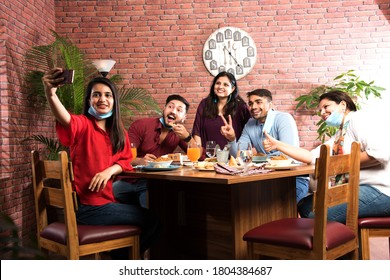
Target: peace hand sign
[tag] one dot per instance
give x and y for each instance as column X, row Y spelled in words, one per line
column 227, row 129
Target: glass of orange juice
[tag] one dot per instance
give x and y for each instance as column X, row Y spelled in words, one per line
column 193, row 151
column 133, row 150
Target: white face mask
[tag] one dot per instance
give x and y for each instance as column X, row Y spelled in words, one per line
column 97, row 115
column 335, row 119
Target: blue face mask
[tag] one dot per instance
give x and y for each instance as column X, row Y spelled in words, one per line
column 162, row 121
column 97, row 115
column 335, row 119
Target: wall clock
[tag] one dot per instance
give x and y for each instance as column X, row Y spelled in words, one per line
column 230, row 49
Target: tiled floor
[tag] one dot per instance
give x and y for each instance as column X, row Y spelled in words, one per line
column 379, row 248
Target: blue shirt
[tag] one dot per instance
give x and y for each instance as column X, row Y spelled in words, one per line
column 280, row 125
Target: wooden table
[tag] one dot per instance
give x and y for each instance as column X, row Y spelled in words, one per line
column 206, row 214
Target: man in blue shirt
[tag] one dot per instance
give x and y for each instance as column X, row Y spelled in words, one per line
column 280, row 125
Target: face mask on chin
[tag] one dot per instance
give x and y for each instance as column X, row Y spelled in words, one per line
column 335, row 119
column 162, row 121
column 97, row 115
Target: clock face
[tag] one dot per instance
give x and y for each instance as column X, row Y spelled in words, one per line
column 230, row 49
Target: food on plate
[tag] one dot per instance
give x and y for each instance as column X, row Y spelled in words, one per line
column 279, row 157
column 204, row 165
column 161, row 162
column 259, row 155
column 280, row 160
column 174, row 157
column 233, row 161
column 214, row 159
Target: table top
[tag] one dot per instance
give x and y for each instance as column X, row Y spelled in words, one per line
column 188, row 174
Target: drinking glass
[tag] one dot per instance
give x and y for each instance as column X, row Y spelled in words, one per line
column 222, row 154
column 133, row 150
column 193, row 151
column 210, row 148
column 244, row 154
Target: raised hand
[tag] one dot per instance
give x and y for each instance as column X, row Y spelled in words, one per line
column 227, row 129
column 180, row 131
column 269, row 142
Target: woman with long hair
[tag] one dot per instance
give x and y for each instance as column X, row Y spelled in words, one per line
column 99, row 149
column 223, row 100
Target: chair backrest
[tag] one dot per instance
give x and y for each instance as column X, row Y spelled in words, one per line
column 53, row 189
column 329, row 195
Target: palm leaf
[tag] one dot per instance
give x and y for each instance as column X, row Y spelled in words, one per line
column 53, row 146
column 137, row 99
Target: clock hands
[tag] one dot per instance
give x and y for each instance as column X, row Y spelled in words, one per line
column 231, row 56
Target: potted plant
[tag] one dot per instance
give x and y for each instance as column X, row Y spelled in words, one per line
column 349, row 82
column 63, row 53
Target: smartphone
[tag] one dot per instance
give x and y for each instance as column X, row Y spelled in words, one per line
column 68, row 76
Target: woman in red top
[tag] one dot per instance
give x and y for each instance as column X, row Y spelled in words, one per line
column 99, row 149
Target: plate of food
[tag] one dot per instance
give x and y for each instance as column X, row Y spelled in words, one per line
column 204, row 166
column 279, row 160
column 160, row 162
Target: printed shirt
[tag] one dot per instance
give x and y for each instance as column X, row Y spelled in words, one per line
column 367, row 127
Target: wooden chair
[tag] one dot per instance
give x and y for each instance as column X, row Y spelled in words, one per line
column 53, row 188
column 317, row 238
column 372, row 227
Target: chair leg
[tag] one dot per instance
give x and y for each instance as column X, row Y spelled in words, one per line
column 355, row 254
column 365, row 244
column 251, row 253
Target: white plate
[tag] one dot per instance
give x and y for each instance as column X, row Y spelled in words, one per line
column 283, row 167
column 159, row 164
column 171, row 167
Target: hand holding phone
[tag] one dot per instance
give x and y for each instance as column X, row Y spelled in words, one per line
column 68, row 76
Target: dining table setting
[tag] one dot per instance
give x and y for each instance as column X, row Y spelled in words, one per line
column 207, row 206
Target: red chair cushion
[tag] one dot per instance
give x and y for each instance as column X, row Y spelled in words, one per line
column 89, row 233
column 374, row 222
column 298, row 233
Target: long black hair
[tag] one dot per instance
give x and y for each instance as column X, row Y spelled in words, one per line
column 338, row 96
column 211, row 108
column 114, row 123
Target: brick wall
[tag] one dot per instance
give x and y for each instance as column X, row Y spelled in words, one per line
column 158, row 45
column 300, row 44
column 23, row 24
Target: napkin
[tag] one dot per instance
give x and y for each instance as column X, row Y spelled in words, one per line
column 230, row 170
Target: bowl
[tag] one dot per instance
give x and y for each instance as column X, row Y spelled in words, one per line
column 159, row 164
column 259, row 158
column 279, row 162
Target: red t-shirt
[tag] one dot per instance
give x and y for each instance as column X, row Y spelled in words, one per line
column 91, row 152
